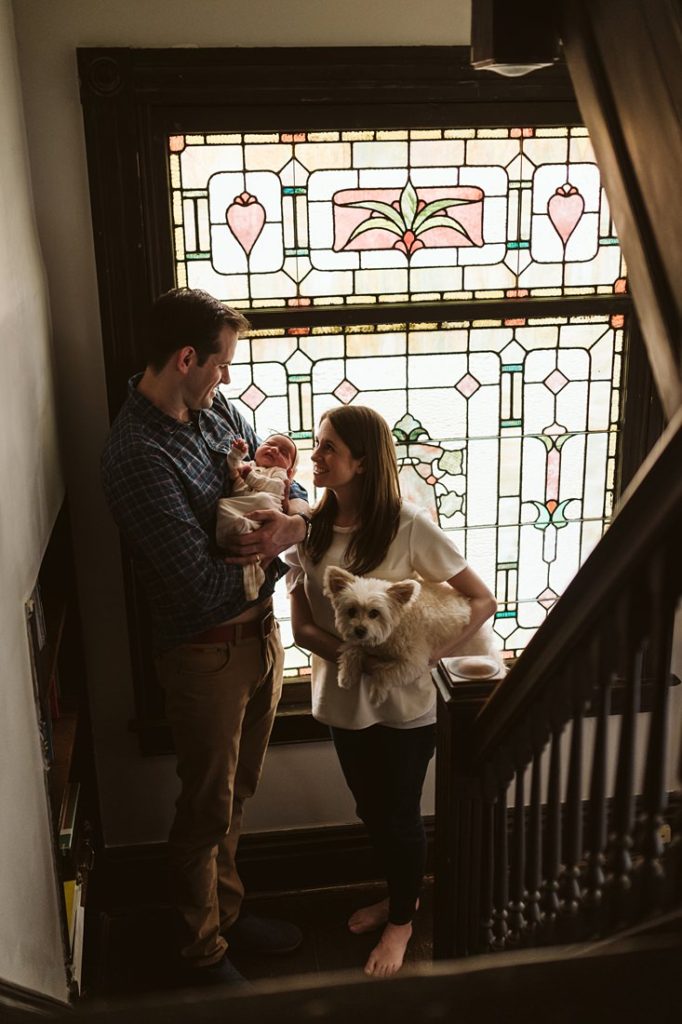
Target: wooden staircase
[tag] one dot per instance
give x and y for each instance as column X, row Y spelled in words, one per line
column 534, row 844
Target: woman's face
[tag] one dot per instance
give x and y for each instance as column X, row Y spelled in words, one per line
column 334, row 465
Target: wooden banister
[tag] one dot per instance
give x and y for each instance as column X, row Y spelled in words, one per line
column 510, row 873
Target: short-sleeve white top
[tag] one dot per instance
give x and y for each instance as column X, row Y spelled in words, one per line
column 419, row 549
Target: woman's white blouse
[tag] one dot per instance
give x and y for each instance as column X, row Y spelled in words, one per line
column 419, row 549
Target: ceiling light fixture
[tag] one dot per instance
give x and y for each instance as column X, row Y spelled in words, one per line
column 514, row 37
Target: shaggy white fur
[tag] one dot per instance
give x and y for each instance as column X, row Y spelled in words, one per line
column 390, row 630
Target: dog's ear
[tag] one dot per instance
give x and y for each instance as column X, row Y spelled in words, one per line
column 335, row 580
column 404, row 592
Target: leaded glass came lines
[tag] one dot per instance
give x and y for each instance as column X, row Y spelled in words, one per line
column 321, row 218
column 506, row 428
column 505, row 434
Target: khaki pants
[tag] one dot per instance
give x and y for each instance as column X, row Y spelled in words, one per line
column 220, row 701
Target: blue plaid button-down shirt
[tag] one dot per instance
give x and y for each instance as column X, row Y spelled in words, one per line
column 162, row 480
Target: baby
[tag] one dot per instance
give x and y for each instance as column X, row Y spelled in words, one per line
column 261, row 484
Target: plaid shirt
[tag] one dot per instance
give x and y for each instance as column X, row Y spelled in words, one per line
column 162, row 480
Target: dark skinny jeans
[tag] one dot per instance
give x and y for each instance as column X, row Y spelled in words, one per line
column 385, row 770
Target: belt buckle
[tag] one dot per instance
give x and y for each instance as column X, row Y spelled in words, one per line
column 266, row 624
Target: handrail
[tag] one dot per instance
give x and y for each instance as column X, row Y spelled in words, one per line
column 649, row 507
column 522, row 861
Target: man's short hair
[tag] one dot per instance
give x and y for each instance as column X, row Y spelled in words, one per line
column 187, row 316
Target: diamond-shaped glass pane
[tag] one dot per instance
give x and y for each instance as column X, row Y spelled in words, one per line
column 556, row 381
column 467, row 385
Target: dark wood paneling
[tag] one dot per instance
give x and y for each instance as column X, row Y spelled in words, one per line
column 625, row 63
column 285, row 861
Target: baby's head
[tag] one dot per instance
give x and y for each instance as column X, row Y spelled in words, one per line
column 277, row 450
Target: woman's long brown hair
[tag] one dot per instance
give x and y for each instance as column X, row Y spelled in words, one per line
column 368, row 437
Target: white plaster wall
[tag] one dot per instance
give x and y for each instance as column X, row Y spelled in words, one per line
column 30, row 942
column 138, row 794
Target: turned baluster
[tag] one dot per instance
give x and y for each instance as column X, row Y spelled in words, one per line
column 500, row 869
column 573, row 835
column 596, row 824
column 654, row 795
column 619, row 859
column 534, row 855
column 517, row 905
column 552, row 853
column 487, row 936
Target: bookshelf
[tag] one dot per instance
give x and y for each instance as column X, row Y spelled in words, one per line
column 55, row 645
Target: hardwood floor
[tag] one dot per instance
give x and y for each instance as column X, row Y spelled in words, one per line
column 136, row 947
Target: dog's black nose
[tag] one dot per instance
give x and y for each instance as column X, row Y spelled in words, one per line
column 360, row 631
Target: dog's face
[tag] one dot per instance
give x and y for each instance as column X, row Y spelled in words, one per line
column 366, row 610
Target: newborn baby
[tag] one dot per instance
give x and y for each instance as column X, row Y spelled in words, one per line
column 261, row 484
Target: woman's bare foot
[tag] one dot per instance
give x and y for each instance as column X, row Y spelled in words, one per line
column 368, row 919
column 387, row 957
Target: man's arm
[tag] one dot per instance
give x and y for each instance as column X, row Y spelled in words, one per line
column 279, row 531
column 150, row 508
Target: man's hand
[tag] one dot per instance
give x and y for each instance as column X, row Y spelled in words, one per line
column 276, row 533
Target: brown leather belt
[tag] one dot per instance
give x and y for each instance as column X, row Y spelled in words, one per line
column 231, row 632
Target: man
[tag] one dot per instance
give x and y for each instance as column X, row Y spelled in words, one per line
column 218, row 656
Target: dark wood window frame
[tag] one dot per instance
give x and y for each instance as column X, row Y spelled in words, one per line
column 133, row 99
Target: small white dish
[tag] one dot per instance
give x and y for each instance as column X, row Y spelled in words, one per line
column 472, row 666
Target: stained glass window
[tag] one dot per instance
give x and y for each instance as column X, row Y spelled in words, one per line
column 506, row 427
column 338, row 217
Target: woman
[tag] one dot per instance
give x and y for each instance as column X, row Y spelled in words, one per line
column 362, row 525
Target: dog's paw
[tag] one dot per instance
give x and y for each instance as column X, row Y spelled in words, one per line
column 377, row 694
column 346, row 678
column 350, row 667
column 345, row 681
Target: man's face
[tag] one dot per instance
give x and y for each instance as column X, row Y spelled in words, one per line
column 202, row 382
column 277, row 450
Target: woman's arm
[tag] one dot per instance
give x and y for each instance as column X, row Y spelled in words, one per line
column 306, row 633
column 483, row 605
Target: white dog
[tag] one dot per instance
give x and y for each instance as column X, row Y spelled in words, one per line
column 390, row 630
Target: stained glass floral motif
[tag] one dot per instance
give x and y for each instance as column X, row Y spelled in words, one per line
column 505, row 432
column 322, row 218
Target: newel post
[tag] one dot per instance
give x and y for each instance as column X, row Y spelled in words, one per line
column 460, row 834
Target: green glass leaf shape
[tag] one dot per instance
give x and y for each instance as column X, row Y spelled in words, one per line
column 417, row 434
column 450, row 503
column 558, row 518
column 561, row 441
column 408, row 429
column 451, row 462
column 385, row 208
column 444, row 222
column 435, row 207
column 408, row 204
column 548, row 442
column 375, row 224
column 543, row 520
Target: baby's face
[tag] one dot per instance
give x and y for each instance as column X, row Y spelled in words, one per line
column 277, row 450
